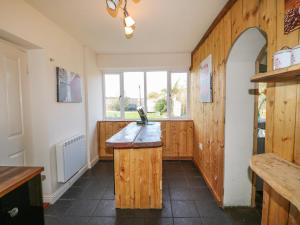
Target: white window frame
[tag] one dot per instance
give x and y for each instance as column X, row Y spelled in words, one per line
column 169, row 77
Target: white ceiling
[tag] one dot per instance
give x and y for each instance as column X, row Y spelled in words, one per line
column 162, row 26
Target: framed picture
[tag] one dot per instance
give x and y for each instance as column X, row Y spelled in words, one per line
column 68, row 86
column 292, row 15
column 205, row 76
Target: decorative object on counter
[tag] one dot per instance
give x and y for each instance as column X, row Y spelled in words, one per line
column 129, row 23
column 292, row 15
column 296, row 55
column 68, row 86
column 282, row 59
column 205, row 77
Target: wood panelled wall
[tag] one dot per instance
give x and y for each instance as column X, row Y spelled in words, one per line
column 177, row 136
column 283, row 100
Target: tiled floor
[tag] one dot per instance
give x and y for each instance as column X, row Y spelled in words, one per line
column 186, row 200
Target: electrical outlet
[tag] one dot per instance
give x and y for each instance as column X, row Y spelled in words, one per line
column 200, row 146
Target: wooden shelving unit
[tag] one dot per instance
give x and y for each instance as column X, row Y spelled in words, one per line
column 282, row 75
column 282, row 175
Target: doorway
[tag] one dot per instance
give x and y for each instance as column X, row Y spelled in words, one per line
column 239, row 117
column 259, row 128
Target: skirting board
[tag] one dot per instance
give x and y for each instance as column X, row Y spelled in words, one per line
column 93, row 162
column 52, row 198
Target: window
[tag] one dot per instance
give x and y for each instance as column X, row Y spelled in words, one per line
column 178, row 94
column 112, row 96
column 163, row 94
column 133, row 93
column 157, row 94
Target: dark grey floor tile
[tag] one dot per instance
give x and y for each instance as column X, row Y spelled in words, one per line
column 59, row 208
column 188, row 221
column 93, row 192
column 103, row 221
column 52, row 220
column 166, row 194
column 184, row 209
column 105, row 208
column 72, row 194
column 108, row 193
column 74, row 220
column 181, row 194
column 82, row 208
column 131, row 213
column 130, row 221
column 178, row 183
column 209, row 209
column 196, row 182
column 91, row 201
column 166, row 211
column 82, row 183
column 244, row 215
column 219, row 221
column 202, row 194
column 159, row 221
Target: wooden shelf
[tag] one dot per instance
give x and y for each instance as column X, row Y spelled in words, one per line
column 286, row 74
column 283, row 176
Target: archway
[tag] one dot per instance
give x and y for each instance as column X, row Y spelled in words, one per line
column 239, row 117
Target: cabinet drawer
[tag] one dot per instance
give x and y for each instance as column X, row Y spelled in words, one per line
column 23, row 206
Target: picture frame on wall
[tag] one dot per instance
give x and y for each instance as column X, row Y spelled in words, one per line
column 68, row 86
column 292, row 16
column 205, row 78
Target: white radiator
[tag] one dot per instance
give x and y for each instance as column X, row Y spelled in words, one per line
column 71, row 157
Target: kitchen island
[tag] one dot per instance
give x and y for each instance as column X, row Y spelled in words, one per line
column 138, row 166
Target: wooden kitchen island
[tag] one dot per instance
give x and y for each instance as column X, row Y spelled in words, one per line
column 138, row 166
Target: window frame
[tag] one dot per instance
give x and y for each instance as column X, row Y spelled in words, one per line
column 145, row 71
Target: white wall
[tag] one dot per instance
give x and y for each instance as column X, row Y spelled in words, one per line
column 51, row 121
column 239, row 117
column 94, row 103
column 181, row 61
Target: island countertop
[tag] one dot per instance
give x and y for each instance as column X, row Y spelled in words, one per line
column 137, row 136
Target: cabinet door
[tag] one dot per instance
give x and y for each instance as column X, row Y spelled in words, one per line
column 23, row 206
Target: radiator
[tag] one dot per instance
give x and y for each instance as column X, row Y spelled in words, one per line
column 70, row 157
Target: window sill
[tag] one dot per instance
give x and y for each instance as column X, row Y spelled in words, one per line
column 158, row 120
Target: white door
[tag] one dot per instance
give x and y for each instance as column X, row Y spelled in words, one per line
column 12, row 69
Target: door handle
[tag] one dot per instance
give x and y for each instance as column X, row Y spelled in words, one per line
column 13, row 212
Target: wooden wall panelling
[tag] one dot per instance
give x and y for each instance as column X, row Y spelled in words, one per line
column 267, row 23
column 237, row 20
column 284, row 124
column 177, row 137
column 282, row 127
column 105, row 130
column 294, row 216
column 297, row 131
column 250, row 12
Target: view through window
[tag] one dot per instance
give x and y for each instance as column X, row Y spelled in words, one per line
column 163, row 94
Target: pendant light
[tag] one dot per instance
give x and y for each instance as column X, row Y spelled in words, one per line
column 129, row 23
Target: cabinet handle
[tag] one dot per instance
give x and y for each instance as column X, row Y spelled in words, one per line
column 13, row 212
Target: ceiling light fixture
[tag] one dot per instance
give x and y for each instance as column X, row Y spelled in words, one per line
column 129, row 23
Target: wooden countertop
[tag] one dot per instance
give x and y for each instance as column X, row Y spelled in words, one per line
column 13, row 177
column 137, row 136
column 282, row 175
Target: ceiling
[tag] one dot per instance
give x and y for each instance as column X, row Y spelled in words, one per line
column 162, row 26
